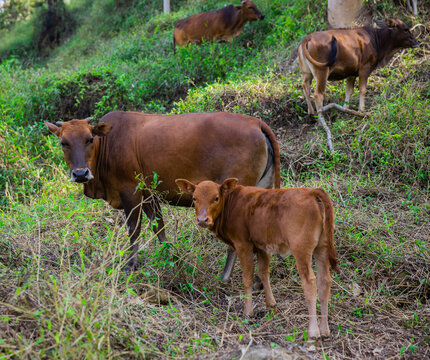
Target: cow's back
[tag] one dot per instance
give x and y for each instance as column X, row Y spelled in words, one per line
column 198, row 147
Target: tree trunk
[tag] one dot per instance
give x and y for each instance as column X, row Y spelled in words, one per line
column 342, row 13
column 166, row 6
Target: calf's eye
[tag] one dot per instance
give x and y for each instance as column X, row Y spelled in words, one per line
column 90, row 141
column 217, row 198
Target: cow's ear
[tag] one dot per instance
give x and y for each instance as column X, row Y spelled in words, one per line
column 53, row 128
column 380, row 24
column 186, row 186
column 101, row 129
column 228, row 185
column 391, row 23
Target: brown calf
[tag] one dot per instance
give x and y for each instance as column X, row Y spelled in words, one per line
column 347, row 53
column 249, row 219
column 223, row 24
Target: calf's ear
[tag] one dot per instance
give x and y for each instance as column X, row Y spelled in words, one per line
column 228, row 185
column 186, row 186
column 101, row 129
column 53, row 128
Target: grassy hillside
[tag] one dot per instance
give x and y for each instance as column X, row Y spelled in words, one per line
column 62, row 293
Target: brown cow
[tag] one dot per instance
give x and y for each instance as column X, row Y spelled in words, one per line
column 197, row 146
column 282, row 221
column 224, row 24
column 347, row 53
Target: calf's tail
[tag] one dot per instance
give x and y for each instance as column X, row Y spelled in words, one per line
column 329, row 228
column 332, row 56
column 267, row 131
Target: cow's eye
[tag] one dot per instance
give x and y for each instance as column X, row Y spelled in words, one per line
column 64, row 143
column 217, row 198
column 194, row 199
column 90, row 141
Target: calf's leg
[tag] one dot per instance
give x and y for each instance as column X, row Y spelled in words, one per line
column 246, row 258
column 323, row 285
column 263, row 264
column 304, row 266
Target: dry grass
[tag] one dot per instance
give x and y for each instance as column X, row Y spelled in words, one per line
column 63, row 295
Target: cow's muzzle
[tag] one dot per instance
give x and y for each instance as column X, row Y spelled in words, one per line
column 262, row 16
column 81, row 175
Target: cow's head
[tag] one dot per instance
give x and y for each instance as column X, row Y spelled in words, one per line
column 77, row 137
column 401, row 35
column 250, row 11
column 208, row 198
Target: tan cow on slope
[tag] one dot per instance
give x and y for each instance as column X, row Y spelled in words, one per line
column 280, row 221
column 347, row 53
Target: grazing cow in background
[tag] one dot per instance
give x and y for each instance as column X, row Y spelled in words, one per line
column 282, row 221
column 347, row 53
column 224, row 24
column 109, row 157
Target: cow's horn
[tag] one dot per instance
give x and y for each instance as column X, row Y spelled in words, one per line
column 59, row 123
column 88, row 119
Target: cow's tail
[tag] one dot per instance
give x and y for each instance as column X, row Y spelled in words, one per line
column 267, row 131
column 174, row 44
column 329, row 228
column 332, row 57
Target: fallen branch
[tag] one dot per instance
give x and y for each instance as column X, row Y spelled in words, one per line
column 327, row 130
column 340, row 108
column 324, row 124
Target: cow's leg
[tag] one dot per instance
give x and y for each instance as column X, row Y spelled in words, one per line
column 152, row 210
column 229, row 264
column 323, row 285
column 246, row 258
column 133, row 213
column 350, row 82
column 362, row 84
column 304, row 266
column 263, row 265
column 306, row 84
column 321, row 76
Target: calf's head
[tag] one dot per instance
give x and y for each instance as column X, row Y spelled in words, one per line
column 77, row 137
column 400, row 34
column 250, row 11
column 208, row 198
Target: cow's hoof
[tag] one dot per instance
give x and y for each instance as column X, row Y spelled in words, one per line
column 258, row 285
column 129, row 267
